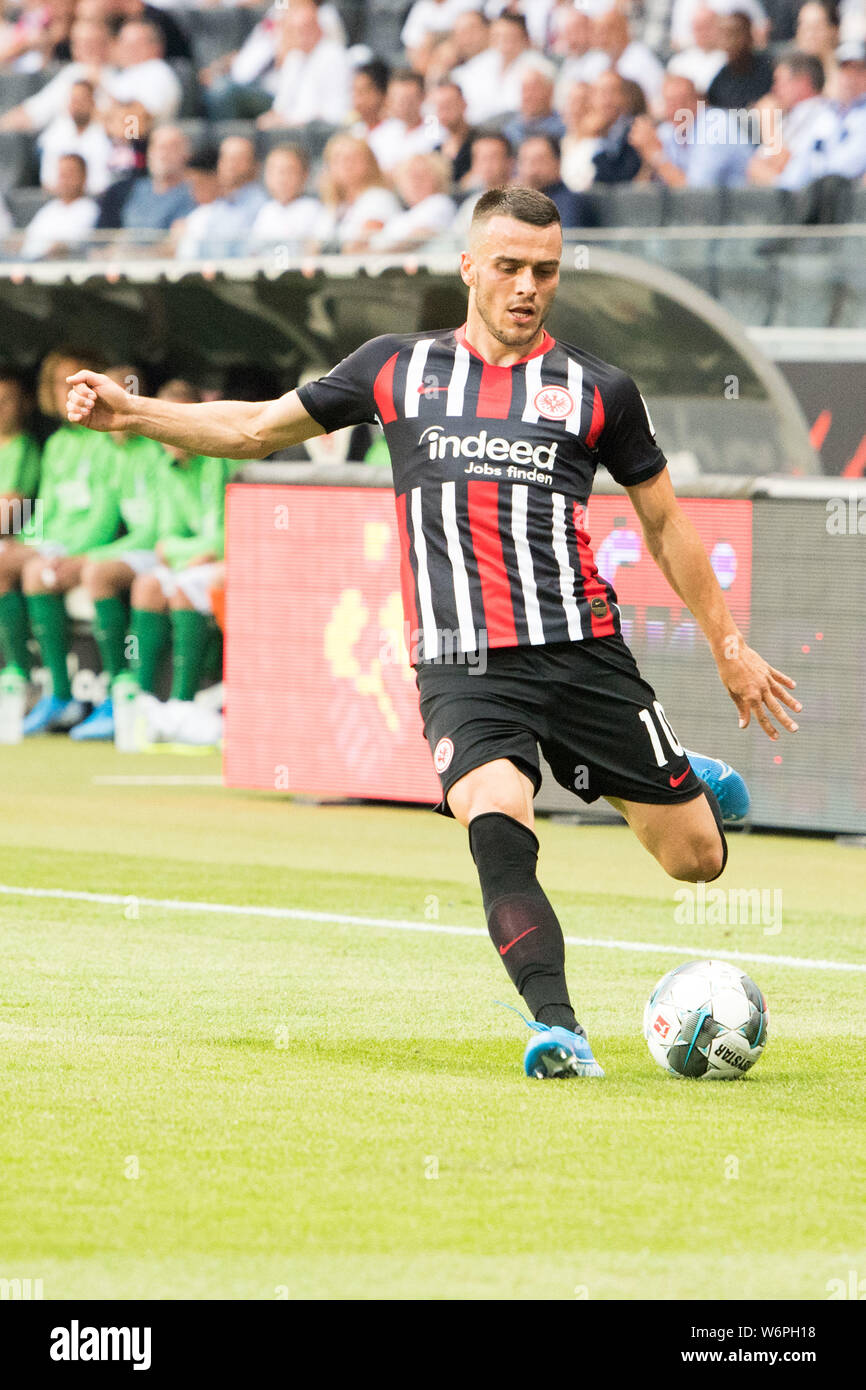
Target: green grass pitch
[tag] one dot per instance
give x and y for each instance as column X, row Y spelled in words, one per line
column 204, row 1105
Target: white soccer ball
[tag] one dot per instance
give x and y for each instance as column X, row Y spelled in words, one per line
column 706, row 1019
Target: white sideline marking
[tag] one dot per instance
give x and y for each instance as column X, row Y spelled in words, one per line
column 168, row 781
column 293, row 914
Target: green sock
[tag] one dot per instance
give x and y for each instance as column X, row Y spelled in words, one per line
column 189, row 631
column 150, row 633
column 109, row 629
column 48, row 621
column 14, row 630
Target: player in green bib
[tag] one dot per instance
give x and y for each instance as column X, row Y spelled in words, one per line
column 77, row 509
column 19, row 484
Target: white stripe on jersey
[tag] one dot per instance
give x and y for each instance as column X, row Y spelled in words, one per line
column 415, row 376
column 519, row 494
column 575, row 386
column 428, row 621
column 566, row 573
column 652, row 428
column 468, row 642
column 532, row 372
column 454, row 403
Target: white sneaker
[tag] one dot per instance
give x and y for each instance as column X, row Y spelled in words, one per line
column 192, row 722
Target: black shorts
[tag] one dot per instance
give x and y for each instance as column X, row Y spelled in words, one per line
column 585, row 704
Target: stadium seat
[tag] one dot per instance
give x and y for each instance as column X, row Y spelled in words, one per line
column 630, row 205
column 24, row 203
column 757, row 206
column 197, row 130
column 214, row 32
column 383, row 23
column 18, row 159
column 694, row 207
column 858, row 205
column 190, row 101
column 16, row 87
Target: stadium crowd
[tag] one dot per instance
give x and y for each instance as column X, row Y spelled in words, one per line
column 299, row 138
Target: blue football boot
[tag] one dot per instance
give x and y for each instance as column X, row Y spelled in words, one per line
column 730, row 790
column 52, row 716
column 98, row 725
column 558, row 1052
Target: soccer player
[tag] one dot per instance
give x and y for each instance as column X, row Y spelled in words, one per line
column 78, row 510
column 495, row 430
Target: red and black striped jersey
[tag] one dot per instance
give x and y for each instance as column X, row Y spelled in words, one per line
column 493, row 467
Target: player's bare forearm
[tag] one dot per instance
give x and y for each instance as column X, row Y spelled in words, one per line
column 755, row 687
column 220, row 429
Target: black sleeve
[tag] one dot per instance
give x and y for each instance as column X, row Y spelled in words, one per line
column 345, row 395
column 627, row 443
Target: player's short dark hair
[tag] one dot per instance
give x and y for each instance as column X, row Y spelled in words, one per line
column 378, row 72
column 804, row 65
column 551, row 141
column 523, row 204
column 407, row 75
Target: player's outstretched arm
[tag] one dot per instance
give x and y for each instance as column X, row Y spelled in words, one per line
column 755, row 687
column 221, row 429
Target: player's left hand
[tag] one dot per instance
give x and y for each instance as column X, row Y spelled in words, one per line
column 758, row 689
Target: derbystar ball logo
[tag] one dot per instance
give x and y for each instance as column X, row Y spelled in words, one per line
column 480, row 446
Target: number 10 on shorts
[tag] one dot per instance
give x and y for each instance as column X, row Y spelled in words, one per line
column 645, row 716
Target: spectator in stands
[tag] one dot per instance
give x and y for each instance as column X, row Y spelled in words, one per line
column 837, row 141
column 224, row 226
column 537, row 14
column 370, row 103
column 478, row 67
column 627, row 56
column 704, row 58
column 796, row 92
column 28, row 37
column 818, row 34
column 429, row 18
column 77, row 131
column 747, row 76
column 355, row 194
column 203, row 183
column 408, row 130
column 78, row 510
column 422, row 182
column 682, row 12
column 539, row 167
column 314, row 74
column 666, row 149
column 145, row 85
column 162, row 195
column 19, row 451
column 573, row 44
column 438, row 60
column 491, row 166
column 290, row 217
column 242, row 85
column 597, row 148
column 175, row 43
column 536, row 115
column 513, row 54
column 449, row 108
column 62, row 226
column 91, row 45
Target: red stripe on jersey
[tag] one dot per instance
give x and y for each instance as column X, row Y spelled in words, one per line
column 483, row 508
column 494, row 393
column 407, row 578
column 593, row 586
column 596, row 424
column 383, row 391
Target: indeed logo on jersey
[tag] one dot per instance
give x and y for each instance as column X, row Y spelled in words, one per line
column 496, row 450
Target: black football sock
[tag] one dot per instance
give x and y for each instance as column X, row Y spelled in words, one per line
column 522, row 924
column 717, row 816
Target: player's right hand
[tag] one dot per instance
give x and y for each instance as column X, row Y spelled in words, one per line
column 98, row 402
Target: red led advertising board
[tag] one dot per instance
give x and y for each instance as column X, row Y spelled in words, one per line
column 320, row 697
